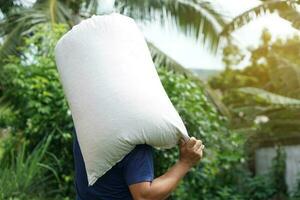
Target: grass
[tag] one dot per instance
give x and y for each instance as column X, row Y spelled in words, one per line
column 23, row 175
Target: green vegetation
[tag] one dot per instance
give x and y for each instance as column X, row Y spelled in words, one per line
column 38, row 108
column 222, row 162
column 263, row 99
column 36, row 100
column 198, row 19
column 257, row 102
column 23, row 175
column 35, row 108
column 268, row 87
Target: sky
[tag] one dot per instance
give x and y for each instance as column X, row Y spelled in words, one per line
column 193, row 55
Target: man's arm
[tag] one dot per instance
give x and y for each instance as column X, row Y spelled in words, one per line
column 160, row 188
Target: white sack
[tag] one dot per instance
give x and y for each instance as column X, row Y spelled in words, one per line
column 114, row 92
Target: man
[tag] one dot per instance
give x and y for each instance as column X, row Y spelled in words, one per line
column 133, row 177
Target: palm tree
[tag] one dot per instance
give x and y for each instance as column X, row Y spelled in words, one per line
column 286, row 9
column 264, row 97
column 196, row 18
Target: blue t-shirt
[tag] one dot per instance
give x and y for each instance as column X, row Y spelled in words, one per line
column 135, row 167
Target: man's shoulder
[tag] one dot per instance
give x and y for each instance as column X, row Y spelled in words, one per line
column 140, row 152
column 138, row 165
column 143, row 147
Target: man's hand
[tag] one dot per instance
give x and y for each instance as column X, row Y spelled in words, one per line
column 191, row 151
column 160, row 188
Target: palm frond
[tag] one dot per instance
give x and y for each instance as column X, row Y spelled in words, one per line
column 291, row 15
column 271, row 98
column 7, row 5
column 194, row 18
column 252, row 110
column 90, row 7
column 21, row 22
column 285, row 8
column 15, row 26
column 162, row 59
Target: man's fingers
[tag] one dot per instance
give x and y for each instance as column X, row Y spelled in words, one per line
column 200, row 148
column 197, row 145
column 191, row 142
column 200, row 151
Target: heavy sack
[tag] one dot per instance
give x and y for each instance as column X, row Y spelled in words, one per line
column 114, row 92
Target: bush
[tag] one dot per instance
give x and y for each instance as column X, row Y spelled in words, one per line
column 296, row 193
column 24, row 176
column 35, row 98
column 217, row 176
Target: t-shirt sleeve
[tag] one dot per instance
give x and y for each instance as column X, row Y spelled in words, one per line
column 139, row 165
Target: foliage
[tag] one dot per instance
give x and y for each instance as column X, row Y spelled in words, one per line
column 286, row 9
column 35, row 107
column 231, row 55
column 221, row 165
column 296, row 193
column 268, row 87
column 31, row 88
column 23, row 176
column 197, row 19
column 264, row 101
column 223, row 173
column 260, row 187
column 274, row 66
column 278, row 172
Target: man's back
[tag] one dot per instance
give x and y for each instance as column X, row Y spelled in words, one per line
column 136, row 167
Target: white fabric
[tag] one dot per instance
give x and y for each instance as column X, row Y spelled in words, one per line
column 114, row 92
